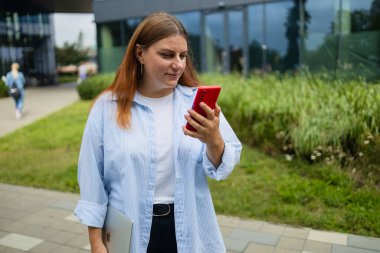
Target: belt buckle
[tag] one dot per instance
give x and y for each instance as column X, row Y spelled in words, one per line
column 159, row 215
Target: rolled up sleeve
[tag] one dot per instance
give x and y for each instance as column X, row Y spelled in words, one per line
column 231, row 153
column 91, row 214
column 92, row 206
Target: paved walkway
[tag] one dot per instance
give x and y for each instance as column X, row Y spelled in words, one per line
column 41, row 221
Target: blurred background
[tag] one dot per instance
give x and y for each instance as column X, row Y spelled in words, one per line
column 51, row 38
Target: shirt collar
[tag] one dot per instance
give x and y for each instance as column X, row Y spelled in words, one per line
column 179, row 90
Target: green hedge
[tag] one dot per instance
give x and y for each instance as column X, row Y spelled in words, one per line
column 66, row 78
column 3, row 89
column 306, row 116
column 92, row 86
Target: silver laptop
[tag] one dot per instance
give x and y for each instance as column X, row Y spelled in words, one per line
column 117, row 231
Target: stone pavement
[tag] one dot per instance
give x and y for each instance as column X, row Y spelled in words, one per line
column 39, row 102
column 41, row 221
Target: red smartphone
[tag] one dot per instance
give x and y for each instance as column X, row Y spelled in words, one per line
column 208, row 95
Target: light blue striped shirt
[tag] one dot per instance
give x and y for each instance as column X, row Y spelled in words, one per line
column 117, row 167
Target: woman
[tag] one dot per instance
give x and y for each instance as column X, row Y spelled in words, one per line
column 138, row 157
column 16, row 77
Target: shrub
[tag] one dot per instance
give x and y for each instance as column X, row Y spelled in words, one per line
column 3, row 89
column 311, row 117
column 66, row 78
column 93, row 86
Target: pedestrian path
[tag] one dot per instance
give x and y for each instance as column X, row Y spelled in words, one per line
column 39, row 102
column 41, row 221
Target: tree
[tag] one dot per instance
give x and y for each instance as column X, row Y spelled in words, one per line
column 375, row 15
column 71, row 53
column 293, row 27
column 360, row 21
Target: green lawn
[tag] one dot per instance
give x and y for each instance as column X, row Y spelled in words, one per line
column 45, row 155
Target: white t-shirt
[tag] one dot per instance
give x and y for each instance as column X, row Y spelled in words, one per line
column 162, row 109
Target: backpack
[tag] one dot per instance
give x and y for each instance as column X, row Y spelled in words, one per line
column 14, row 91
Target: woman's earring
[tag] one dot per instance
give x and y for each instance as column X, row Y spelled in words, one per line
column 141, row 69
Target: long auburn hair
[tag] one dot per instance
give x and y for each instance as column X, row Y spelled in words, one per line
column 155, row 27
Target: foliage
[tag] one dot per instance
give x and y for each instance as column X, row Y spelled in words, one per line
column 3, row 89
column 71, row 53
column 313, row 118
column 67, row 78
column 261, row 187
column 93, row 86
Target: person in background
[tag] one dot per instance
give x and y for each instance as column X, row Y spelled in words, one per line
column 137, row 156
column 16, row 77
column 82, row 72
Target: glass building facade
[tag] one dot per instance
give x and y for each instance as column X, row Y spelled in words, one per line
column 112, row 39
column 27, row 38
column 339, row 36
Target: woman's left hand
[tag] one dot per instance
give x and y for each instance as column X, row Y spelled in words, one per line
column 207, row 131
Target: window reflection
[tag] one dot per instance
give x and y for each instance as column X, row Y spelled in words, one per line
column 273, row 35
column 256, row 36
column 282, row 36
column 130, row 26
column 215, row 42
column 320, row 45
column 110, row 34
column 192, row 23
column 360, row 40
column 111, row 45
column 235, row 39
column 364, row 15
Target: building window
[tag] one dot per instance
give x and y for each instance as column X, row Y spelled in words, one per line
column 191, row 21
column 215, row 42
column 235, row 40
column 360, row 38
column 321, row 35
column 130, row 26
column 256, row 36
column 111, row 45
column 109, row 34
column 26, row 41
column 361, row 16
column 273, row 36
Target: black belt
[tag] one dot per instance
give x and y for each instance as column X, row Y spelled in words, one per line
column 162, row 209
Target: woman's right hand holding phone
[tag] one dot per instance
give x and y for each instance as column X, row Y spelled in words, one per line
column 207, row 131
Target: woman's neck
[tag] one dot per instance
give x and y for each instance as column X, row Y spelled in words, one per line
column 154, row 93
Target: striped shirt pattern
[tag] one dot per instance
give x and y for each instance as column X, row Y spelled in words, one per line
column 117, row 167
